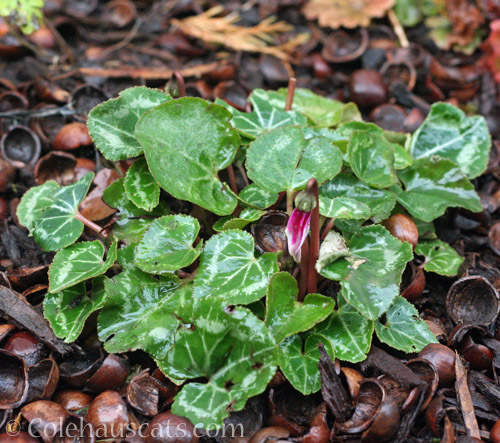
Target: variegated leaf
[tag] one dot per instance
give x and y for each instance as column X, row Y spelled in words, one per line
column 186, row 143
column 112, row 123
column 299, row 361
column 285, row 315
column 292, row 161
column 348, row 332
column 35, row 202
column 403, row 329
column 228, row 346
column 263, row 117
column 246, row 216
column 167, row 244
column 229, row 269
column 256, row 197
column 57, row 226
column 140, row 186
column 78, row 263
column 68, row 310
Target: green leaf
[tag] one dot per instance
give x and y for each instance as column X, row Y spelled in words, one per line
column 447, row 132
column 299, row 361
column 57, row 226
column 403, row 329
column 380, row 201
column 35, row 202
column 372, row 159
column 408, row 12
column 186, row 142
column 370, row 279
column 292, row 161
column 285, row 315
column 229, row 269
column 79, row 262
column 112, row 124
column 167, row 244
column 321, row 110
column 140, row 313
column 344, row 208
column 264, row 116
column 140, row 186
column 433, row 184
column 26, row 14
column 348, row 332
column 257, row 197
column 231, row 348
column 332, row 248
column 68, row 310
column 440, row 257
column 247, row 216
column 132, row 221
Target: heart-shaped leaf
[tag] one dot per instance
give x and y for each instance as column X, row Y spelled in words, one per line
column 447, row 132
column 403, row 329
column 321, row 110
column 35, row 202
column 140, row 186
column 257, row 197
column 132, row 221
column 54, row 225
column 186, row 142
column 370, row 278
column 139, row 312
column 440, row 257
column 68, row 310
column 264, row 116
column 231, row 348
column 433, row 184
column 79, row 262
column 285, row 315
column 372, row 159
column 348, row 332
column 380, row 201
column 246, row 216
column 299, row 361
column 292, row 161
column 167, row 244
column 112, row 124
column 229, row 269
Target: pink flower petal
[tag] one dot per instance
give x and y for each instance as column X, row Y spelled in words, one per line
column 297, row 230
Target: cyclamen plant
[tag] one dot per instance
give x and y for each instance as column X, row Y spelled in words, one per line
column 210, row 308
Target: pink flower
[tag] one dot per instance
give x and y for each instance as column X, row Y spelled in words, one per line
column 297, row 230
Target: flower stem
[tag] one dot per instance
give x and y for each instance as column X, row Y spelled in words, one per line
column 90, row 224
column 290, row 93
column 232, row 179
column 304, row 270
column 289, row 202
column 329, row 226
column 312, row 278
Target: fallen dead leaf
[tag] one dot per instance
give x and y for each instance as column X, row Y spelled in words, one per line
column 348, row 13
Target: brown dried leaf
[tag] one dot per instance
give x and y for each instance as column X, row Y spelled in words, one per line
column 348, row 13
column 212, row 28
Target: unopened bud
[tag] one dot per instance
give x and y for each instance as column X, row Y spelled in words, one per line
column 305, row 201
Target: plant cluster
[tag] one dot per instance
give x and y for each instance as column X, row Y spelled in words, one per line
column 26, row 14
column 217, row 316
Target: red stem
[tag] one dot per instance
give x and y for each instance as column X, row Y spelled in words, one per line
column 290, row 93
column 232, row 179
column 328, row 228
column 312, row 278
column 90, row 224
column 180, row 83
column 304, row 270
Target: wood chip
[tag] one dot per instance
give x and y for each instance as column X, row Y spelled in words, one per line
column 465, row 399
column 20, row 313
